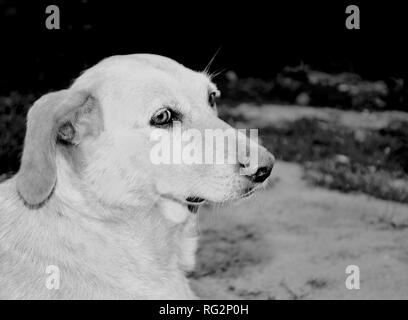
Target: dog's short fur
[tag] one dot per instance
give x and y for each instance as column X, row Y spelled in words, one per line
column 87, row 198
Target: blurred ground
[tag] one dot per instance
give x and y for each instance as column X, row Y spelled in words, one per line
column 295, row 239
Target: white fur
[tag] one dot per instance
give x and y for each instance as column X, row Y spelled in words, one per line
column 107, row 226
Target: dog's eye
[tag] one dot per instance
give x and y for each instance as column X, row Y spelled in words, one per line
column 162, row 117
column 211, row 99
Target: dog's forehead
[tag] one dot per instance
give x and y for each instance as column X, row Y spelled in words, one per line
column 164, row 64
column 130, row 72
column 151, row 65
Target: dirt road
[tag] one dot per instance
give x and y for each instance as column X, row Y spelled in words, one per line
column 294, row 241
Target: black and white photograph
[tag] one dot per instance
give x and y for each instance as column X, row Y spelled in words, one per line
column 203, row 152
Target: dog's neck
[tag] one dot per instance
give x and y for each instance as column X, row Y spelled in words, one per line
column 137, row 245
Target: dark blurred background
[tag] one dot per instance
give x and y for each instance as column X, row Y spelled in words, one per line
column 288, row 53
column 255, row 41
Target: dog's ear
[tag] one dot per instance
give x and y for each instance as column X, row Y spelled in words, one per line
column 53, row 117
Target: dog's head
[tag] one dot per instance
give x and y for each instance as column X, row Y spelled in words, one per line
column 139, row 126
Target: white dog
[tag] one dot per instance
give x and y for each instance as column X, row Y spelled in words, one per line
column 89, row 209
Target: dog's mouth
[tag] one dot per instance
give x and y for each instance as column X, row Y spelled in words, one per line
column 194, row 203
column 248, row 192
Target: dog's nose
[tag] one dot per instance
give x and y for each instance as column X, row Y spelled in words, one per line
column 261, row 174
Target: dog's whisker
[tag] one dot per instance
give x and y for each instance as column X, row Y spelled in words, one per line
column 217, row 73
column 208, row 66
